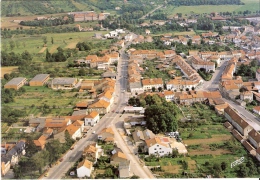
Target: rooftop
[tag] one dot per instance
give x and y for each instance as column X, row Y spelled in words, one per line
column 16, row 81
column 62, row 81
column 40, row 77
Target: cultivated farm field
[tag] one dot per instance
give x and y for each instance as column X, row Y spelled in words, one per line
column 9, row 69
column 207, row 141
column 34, row 43
column 252, row 5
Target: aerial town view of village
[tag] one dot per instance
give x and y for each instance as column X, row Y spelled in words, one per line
column 130, row 89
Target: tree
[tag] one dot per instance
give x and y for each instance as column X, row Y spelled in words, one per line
column 30, row 147
column 82, row 72
column 153, row 89
column 224, row 166
column 7, row 76
column 52, row 40
column 185, row 165
column 44, row 38
column 12, row 44
column 109, row 172
column 68, row 139
column 243, row 171
column 160, row 89
column 48, row 57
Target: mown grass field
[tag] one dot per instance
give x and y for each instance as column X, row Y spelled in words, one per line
column 251, row 5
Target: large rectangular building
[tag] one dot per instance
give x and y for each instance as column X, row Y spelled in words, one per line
column 15, row 83
column 63, row 83
column 39, row 80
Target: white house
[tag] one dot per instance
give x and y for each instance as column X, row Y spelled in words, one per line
column 257, row 75
column 148, row 84
column 169, row 95
column 74, row 131
column 129, row 37
column 167, row 43
column 92, row 119
column 121, row 31
column 113, row 34
column 247, row 95
column 84, row 168
column 157, row 147
column 136, row 87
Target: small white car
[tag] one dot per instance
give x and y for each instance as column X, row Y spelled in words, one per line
column 93, row 132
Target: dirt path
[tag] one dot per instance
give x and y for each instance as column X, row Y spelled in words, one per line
column 214, row 139
column 216, row 152
column 42, row 50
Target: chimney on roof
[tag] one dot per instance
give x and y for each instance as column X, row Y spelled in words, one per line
column 255, row 133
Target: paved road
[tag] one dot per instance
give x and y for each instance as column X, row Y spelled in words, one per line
column 121, row 97
column 248, row 116
column 213, row 84
column 143, row 17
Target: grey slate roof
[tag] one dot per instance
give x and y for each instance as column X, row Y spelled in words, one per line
column 108, row 74
column 135, row 85
column 62, row 81
column 15, row 81
column 40, row 77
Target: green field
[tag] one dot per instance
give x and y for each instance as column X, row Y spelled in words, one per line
column 34, row 43
column 59, row 102
column 251, row 5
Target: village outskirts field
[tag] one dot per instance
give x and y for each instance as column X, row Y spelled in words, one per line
column 34, row 97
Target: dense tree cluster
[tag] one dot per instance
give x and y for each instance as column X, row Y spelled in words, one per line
column 12, row 59
column 60, row 56
column 35, row 160
column 49, row 22
column 160, row 115
column 247, row 70
column 134, row 11
column 10, row 115
column 84, row 46
column 206, row 2
column 7, row 33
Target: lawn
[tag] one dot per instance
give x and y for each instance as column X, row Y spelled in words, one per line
column 251, row 5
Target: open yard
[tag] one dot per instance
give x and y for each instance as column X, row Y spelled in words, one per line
column 8, row 70
column 40, row 100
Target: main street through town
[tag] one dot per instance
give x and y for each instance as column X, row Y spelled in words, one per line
column 58, row 171
column 213, row 85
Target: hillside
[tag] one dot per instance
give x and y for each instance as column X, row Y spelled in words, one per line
column 25, row 7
